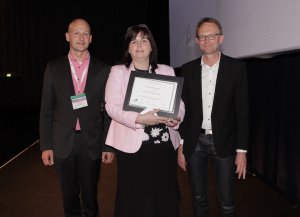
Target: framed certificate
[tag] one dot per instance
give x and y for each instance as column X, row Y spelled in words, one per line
column 147, row 90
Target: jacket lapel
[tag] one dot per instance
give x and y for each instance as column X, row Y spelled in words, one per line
column 198, row 81
column 220, row 87
column 68, row 82
column 90, row 77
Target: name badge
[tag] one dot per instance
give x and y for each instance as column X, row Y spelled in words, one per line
column 79, row 101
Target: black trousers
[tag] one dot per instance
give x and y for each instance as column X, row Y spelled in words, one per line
column 147, row 182
column 78, row 175
column 224, row 170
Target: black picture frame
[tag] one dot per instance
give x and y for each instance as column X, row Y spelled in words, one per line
column 127, row 106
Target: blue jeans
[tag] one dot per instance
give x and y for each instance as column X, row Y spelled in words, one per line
column 224, row 170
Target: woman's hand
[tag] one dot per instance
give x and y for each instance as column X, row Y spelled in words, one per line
column 171, row 122
column 151, row 118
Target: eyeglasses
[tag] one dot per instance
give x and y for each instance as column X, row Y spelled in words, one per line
column 137, row 26
column 209, row 37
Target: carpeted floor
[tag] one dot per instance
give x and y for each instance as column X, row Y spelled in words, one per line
column 28, row 189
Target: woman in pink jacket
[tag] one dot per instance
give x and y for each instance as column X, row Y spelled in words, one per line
column 145, row 143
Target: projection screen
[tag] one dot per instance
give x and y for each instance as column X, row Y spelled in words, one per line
column 256, row 28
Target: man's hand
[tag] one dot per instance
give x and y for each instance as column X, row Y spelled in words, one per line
column 241, row 164
column 107, row 157
column 181, row 159
column 47, row 157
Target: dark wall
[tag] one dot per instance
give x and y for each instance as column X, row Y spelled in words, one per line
column 33, row 32
column 275, row 122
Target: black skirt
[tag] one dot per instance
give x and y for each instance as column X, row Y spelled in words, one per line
column 147, row 182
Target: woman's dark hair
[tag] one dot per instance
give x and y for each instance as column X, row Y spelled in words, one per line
column 130, row 35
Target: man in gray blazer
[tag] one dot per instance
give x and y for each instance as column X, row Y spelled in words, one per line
column 215, row 126
column 73, row 122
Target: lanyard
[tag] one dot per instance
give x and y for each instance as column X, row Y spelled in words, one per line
column 78, row 83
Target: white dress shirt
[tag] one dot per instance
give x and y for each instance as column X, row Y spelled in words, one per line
column 209, row 79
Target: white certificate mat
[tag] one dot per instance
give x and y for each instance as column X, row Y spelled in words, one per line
column 146, row 90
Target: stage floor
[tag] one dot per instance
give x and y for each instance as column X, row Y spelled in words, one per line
column 28, row 189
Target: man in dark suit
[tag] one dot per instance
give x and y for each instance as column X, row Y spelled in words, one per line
column 73, row 123
column 215, row 126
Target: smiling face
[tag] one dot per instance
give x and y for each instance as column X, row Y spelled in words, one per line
column 209, row 46
column 79, row 36
column 140, row 47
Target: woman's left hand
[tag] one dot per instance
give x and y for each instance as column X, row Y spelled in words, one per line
column 171, row 122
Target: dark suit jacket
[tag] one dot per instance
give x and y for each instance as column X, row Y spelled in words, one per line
column 57, row 117
column 230, row 106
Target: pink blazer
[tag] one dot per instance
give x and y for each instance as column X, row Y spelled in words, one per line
column 124, row 134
